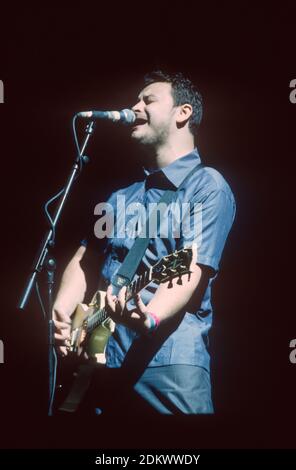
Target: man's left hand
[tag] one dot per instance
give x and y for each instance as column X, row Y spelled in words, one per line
column 137, row 319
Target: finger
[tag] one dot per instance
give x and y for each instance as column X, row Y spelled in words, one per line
column 111, row 299
column 135, row 315
column 61, row 325
column 121, row 298
column 61, row 336
column 62, row 350
column 141, row 307
column 61, row 317
column 67, row 343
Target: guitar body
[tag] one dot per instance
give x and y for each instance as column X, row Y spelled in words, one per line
column 91, row 345
column 87, row 352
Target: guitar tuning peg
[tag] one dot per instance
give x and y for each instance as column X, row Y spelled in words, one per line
column 170, row 284
column 179, row 281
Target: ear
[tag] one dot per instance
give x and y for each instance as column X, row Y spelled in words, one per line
column 184, row 113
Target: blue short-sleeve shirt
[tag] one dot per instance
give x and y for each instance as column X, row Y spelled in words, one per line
column 210, row 208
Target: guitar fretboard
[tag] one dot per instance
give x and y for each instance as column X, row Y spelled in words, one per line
column 99, row 316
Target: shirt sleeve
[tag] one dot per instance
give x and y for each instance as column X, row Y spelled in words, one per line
column 207, row 224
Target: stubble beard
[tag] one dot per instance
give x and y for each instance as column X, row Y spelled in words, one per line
column 153, row 141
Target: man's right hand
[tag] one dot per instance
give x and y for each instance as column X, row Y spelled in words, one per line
column 70, row 294
column 62, row 322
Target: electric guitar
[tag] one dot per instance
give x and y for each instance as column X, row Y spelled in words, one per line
column 91, row 326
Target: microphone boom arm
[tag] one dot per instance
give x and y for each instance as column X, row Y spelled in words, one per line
column 46, row 244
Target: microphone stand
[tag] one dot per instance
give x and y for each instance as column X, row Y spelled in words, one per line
column 44, row 259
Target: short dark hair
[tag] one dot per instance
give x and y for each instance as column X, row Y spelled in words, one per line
column 183, row 91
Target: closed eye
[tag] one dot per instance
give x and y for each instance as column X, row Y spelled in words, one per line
column 149, row 99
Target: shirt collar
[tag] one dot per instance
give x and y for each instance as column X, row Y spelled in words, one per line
column 176, row 171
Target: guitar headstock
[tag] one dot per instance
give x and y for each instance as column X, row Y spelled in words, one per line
column 174, row 265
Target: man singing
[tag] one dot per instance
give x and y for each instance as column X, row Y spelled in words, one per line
column 159, row 350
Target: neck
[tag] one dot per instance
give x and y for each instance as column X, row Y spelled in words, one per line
column 168, row 152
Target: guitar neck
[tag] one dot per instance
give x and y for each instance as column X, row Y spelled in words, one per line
column 167, row 268
column 136, row 286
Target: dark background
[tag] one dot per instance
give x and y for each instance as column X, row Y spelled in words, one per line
column 56, row 61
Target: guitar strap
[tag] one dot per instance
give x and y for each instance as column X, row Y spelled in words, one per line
column 127, row 270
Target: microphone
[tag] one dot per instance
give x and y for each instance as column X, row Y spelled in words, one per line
column 126, row 116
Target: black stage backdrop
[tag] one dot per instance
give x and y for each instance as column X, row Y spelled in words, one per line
column 56, row 61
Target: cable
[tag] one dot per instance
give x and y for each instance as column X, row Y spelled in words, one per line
column 52, row 394
column 55, row 362
column 56, row 196
column 40, row 299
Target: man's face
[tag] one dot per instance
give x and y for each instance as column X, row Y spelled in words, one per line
column 155, row 113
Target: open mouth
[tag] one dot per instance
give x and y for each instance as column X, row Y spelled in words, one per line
column 139, row 122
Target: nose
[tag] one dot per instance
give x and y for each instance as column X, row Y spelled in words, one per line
column 138, row 107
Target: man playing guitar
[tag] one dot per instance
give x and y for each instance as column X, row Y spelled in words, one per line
column 159, row 347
